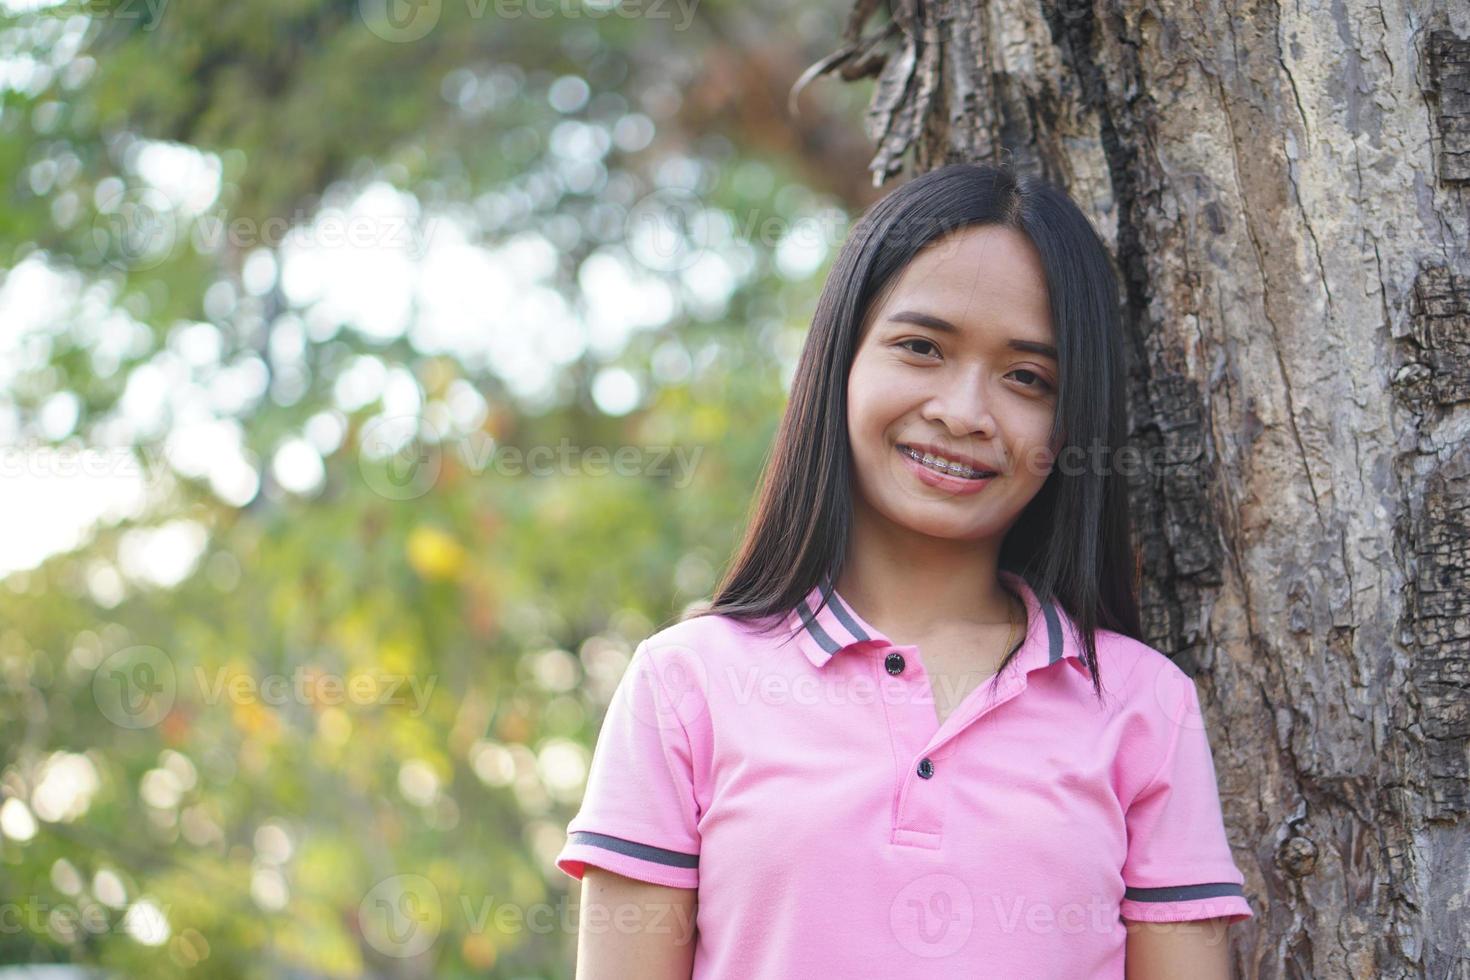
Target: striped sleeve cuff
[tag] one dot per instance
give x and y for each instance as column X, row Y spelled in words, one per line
column 632, row 859
column 1180, row 903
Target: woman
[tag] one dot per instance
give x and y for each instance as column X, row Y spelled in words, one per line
column 917, row 733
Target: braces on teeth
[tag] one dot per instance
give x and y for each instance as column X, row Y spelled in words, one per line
column 939, row 463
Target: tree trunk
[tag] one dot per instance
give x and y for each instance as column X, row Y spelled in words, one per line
column 1284, row 190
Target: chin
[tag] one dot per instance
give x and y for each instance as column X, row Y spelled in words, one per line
column 953, row 526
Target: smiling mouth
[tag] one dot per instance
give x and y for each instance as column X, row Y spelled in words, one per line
column 947, row 467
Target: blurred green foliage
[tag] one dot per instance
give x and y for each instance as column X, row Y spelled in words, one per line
column 345, row 739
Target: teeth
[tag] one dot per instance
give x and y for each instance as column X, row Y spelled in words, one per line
column 943, row 465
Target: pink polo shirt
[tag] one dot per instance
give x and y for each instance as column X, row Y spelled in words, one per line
column 833, row 828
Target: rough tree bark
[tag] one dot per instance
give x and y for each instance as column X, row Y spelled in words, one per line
column 1284, row 190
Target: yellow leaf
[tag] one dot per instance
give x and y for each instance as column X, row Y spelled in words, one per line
column 434, row 554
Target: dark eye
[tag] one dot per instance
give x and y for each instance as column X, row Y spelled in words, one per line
column 1040, row 381
column 915, row 340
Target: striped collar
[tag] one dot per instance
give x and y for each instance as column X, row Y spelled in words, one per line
column 824, row 634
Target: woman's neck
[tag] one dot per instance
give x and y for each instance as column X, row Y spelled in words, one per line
column 917, row 585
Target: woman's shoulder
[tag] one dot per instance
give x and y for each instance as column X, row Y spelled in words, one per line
column 711, row 637
column 1130, row 651
column 1136, row 670
column 698, row 624
column 703, row 660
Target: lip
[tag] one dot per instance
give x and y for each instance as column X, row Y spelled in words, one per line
column 933, row 450
column 955, row 485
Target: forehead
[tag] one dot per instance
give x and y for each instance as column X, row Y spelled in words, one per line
column 987, row 275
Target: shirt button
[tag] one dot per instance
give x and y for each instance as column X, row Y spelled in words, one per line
column 926, row 768
column 894, row 663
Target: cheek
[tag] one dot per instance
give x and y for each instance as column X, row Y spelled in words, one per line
column 874, row 404
column 1035, row 458
column 866, row 425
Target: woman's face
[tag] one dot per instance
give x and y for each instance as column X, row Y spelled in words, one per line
column 939, row 367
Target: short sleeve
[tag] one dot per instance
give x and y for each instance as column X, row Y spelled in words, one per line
column 1179, row 865
column 639, row 815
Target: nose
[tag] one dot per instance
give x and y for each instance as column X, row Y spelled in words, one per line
column 962, row 405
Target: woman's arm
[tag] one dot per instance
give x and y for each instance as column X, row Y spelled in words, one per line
column 631, row 928
column 1168, row 950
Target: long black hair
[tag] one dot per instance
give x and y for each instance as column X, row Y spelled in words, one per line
column 1072, row 543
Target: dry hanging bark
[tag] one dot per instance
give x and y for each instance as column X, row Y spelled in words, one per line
column 1284, row 190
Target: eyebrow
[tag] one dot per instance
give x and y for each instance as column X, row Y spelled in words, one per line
column 944, row 326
